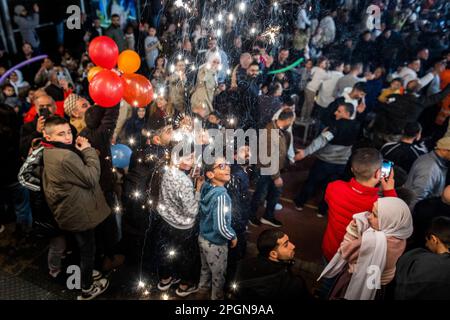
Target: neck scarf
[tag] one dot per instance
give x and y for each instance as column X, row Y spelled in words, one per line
column 60, row 145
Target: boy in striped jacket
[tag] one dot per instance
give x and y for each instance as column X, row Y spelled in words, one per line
column 215, row 228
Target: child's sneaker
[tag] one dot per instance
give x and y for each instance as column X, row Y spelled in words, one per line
column 97, row 288
column 96, row 275
column 185, row 292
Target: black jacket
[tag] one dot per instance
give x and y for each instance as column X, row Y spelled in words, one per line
column 402, row 109
column 423, row 275
column 424, row 212
column 28, row 133
column 238, row 190
column 267, row 107
column 100, row 124
column 262, row 279
column 9, row 140
column 135, row 220
column 403, row 154
column 364, row 52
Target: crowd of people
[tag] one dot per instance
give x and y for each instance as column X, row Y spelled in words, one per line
column 365, row 96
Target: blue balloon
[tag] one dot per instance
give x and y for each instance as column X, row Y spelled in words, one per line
column 121, row 155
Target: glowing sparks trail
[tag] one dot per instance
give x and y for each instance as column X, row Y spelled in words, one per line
column 271, row 33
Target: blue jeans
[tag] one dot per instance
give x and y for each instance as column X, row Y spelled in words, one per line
column 20, row 199
column 319, row 176
column 265, row 190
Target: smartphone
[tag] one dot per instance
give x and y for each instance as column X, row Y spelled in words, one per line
column 386, row 168
column 44, row 112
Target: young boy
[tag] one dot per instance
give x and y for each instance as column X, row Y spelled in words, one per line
column 72, row 190
column 215, row 228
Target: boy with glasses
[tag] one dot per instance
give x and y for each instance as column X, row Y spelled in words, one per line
column 215, row 228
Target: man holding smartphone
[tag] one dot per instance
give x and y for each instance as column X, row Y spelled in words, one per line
column 45, row 107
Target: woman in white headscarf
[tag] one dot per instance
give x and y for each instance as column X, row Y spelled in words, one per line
column 206, row 84
column 369, row 252
column 20, row 86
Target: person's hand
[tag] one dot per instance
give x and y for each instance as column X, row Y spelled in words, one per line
column 113, row 140
column 233, row 243
column 278, row 182
column 35, row 8
column 40, row 124
column 389, row 182
column 361, row 107
column 200, row 180
column 82, row 143
column 300, row 155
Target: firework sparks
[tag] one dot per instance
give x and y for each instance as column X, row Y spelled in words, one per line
column 271, row 33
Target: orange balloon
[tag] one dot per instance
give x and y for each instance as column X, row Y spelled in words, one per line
column 93, row 71
column 138, row 90
column 129, row 61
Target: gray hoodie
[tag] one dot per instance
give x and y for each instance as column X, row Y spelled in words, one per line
column 27, row 27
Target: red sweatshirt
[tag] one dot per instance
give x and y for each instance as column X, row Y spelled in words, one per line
column 345, row 199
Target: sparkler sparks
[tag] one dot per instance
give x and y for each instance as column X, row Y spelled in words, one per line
column 271, row 33
column 165, row 296
column 242, row 6
column 141, row 284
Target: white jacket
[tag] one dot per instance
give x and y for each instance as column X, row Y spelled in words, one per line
column 326, row 91
column 319, row 75
column 302, row 19
column 408, row 74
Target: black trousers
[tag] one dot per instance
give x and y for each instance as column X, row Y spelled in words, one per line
column 177, row 252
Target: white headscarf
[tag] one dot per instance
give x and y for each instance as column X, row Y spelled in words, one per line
column 394, row 219
column 19, row 83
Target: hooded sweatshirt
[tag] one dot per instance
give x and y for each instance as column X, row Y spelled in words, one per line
column 215, row 215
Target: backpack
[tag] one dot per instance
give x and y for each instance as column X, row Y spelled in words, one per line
column 30, row 173
column 30, row 176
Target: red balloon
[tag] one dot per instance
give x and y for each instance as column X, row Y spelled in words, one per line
column 138, row 91
column 106, row 88
column 104, row 52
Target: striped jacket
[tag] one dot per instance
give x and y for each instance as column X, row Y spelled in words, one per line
column 215, row 215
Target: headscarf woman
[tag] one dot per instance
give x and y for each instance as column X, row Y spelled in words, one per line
column 206, row 84
column 369, row 252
